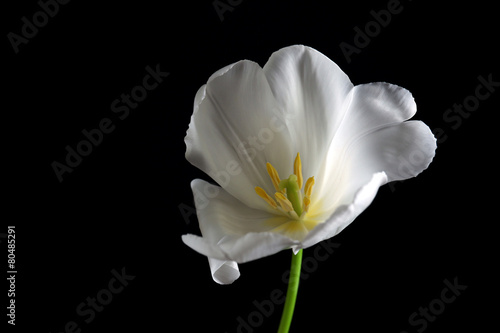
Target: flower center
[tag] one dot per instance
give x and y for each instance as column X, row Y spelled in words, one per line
column 289, row 196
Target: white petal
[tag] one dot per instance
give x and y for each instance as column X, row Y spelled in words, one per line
column 376, row 105
column 236, row 129
column 221, row 215
column 254, row 246
column 345, row 214
column 224, row 272
column 246, row 116
column 402, row 151
column 311, row 89
column 368, row 141
column 241, row 249
column 204, row 246
column 231, row 231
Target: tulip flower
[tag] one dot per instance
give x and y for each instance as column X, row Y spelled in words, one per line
column 298, row 153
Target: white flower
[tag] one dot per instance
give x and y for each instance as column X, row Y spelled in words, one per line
column 248, row 128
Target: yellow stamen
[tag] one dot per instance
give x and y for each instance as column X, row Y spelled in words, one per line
column 284, row 202
column 267, row 198
column 307, row 201
column 297, row 170
column 292, row 197
column 275, row 178
column 309, row 187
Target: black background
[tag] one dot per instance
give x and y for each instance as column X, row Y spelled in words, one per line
column 120, row 207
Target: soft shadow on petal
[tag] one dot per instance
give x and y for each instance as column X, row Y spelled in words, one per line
column 373, row 137
column 375, row 105
column 345, row 214
column 231, row 231
column 312, row 92
column 401, row 151
column 204, row 246
column 254, row 246
column 236, row 128
column 220, row 214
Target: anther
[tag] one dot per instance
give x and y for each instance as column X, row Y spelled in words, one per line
column 275, row 178
column 309, row 186
column 284, row 202
column 307, row 202
column 267, row 198
column 297, row 170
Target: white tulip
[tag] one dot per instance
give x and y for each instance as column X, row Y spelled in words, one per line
column 298, row 151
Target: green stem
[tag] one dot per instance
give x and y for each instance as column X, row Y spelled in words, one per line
column 291, row 294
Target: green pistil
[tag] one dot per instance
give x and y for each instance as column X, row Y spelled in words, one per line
column 293, row 193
